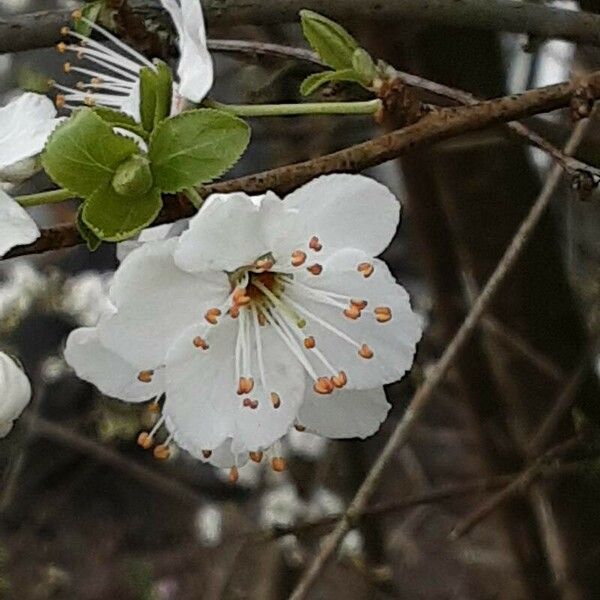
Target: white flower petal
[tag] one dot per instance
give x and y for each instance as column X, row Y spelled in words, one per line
column 343, row 211
column 111, row 374
column 151, row 234
column 15, row 392
column 393, row 343
column 221, row 457
column 25, row 124
column 195, row 70
column 155, row 302
column 202, row 406
column 229, row 231
column 16, row 226
column 344, row 414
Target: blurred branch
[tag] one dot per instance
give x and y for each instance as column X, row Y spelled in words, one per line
column 434, row 126
column 24, row 32
column 424, row 393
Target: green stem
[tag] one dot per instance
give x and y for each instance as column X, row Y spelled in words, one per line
column 194, row 197
column 368, row 107
column 50, row 197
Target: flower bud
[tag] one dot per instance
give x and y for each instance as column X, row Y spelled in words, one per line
column 133, row 177
column 15, row 392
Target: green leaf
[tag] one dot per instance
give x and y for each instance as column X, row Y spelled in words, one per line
column 156, row 90
column 364, row 66
column 329, row 40
column 90, row 11
column 83, row 153
column 313, row 82
column 114, row 218
column 195, row 147
column 91, row 239
column 116, row 118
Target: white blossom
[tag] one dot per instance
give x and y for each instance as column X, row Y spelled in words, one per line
column 261, row 315
column 16, row 226
column 15, row 393
column 114, row 69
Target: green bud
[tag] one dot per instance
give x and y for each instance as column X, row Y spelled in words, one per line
column 133, row 177
column 363, row 64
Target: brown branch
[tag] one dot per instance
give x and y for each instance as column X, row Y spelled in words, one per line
column 424, row 394
column 25, row 32
column 435, row 126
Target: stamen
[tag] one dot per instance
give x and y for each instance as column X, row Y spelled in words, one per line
column 365, row 351
column 145, row 376
column 145, row 441
column 264, row 264
column 298, row 258
column 278, row 464
column 383, row 314
column 339, row 380
column 200, row 342
column 315, row 269
column 249, row 403
column 360, row 304
column 353, row 312
column 59, row 101
column 366, row 269
column 234, row 312
column 299, row 427
column 162, row 452
column 309, row 342
column 207, row 453
column 256, row 456
column 275, row 400
column 323, row 385
column 154, row 407
column 315, row 244
column 212, row 314
column 245, row 386
column 233, row 474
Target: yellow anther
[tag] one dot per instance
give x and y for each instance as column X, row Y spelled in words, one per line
column 383, row 314
column 200, row 342
column 256, row 456
column 275, row 400
column 323, row 385
column 207, row 454
column 154, row 407
column 278, row 464
column 298, row 258
column 245, row 385
column 315, row 269
column 67, row 67
column 212, row 315
column 96, row 81
column 64, row 31
column 162, row 452
column 309, row 342
column 76, row 15
column 234, row 312
column 59, row 101
column 145, row 441
column 264, row 264
column 89, row 101
column 234, row 474
column 339, row 380
column 366, row 269
column 365, row 351
column 145, row 376
column 61, row 47
column 360, row 304
column 80, row 85
column 240, row 298
column 315, row 244
column 352, row 312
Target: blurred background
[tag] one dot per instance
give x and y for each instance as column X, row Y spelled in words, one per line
column 86, row 514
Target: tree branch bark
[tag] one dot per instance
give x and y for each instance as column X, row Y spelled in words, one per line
column 38, row 30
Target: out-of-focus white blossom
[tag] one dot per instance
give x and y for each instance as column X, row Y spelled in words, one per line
column 324, row 503
column 209, row 525
column 22, row 286
column 281, row 506
column 85, row 297
column 15, row 392
column 306, row 445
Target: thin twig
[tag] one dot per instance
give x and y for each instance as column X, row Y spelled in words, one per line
column 518, row 486
column 439, row 125
column 435, row 376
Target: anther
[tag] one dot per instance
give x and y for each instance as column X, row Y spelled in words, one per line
column 162, row 452
column 366, row 269
column 315, row 269
column 145, row 440
column 59, row 101
column 275, row 400
column 145, row 376
column 89, row 101
column 352, row 312
column 234, row 474
column 256, row 456
column 76, row 15
column 265, row 264
column 67, row 67
column 64, row 31
column 154, row 407
column 61, row 47
column 315, row 244
column 339, row 380
column 299, row 428
column 249, row 403
column 262, row 320
column 323, row 385
column 298, row 258
column 207, row 453
column 383, row 314
column 309, row 342
column 365, row 351
column 200, row 342
column 278, row 464
column 360, row 304
column 211, row 315
column 245, row 385
column 234, row 312
column 240, row 298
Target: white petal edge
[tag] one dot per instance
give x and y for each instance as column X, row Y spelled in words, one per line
column 15, row 392
column 16, row 226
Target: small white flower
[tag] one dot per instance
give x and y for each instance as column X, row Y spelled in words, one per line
column 281, row 507
column 114, row 73
column 16, row 226
column 15, row 393
column 262, row 314
column 25, row 125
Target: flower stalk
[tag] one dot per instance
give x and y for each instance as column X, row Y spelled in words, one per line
column 50, row 197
